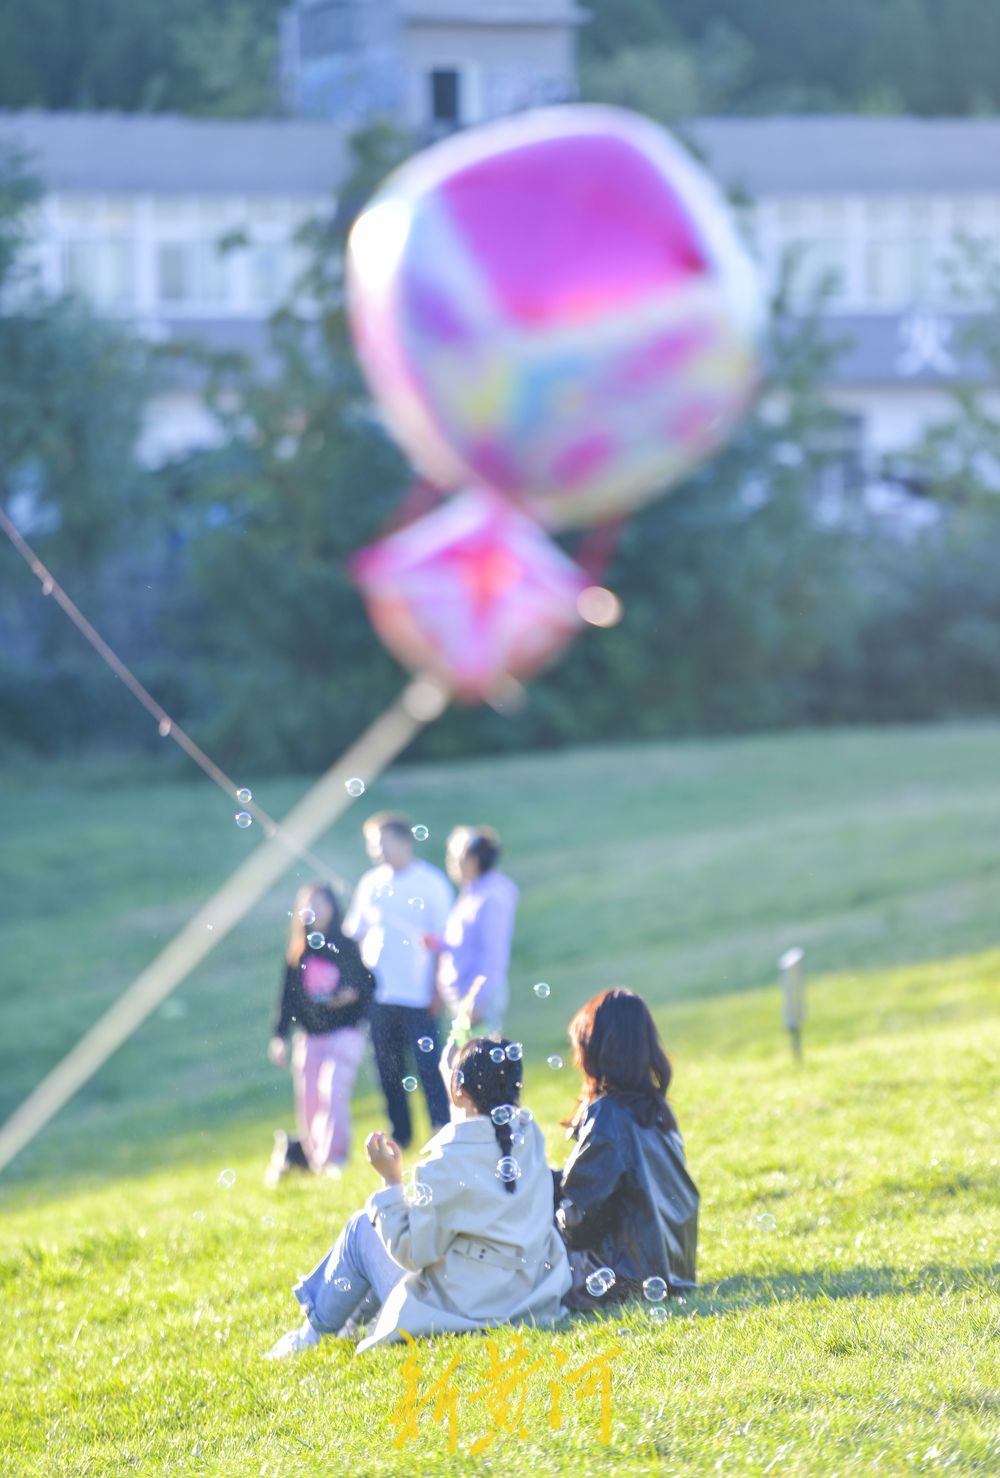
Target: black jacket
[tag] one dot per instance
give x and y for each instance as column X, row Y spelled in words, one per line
column 625, row 1194
column 315, row 1014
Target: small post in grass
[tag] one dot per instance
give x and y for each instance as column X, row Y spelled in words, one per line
column 794, row 994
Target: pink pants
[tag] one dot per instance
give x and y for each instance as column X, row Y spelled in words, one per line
column 323, row 1073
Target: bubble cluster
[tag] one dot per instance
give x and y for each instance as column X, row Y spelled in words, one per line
column 655, row 1289
column 507, row 1169
column 244, row 796
column 502, row 1114
column 410, row 1084
column 555, row 1061
column 243, row 819
column 315, row 940
column 354, row 786
column 420, row 833
column 307, row 916
column 227, row 1178
column 542, row 989
column 425, row 1044
column 497, row 1054
column 600, row 1282
column 514, row 1052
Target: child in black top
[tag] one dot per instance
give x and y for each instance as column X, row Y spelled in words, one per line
column 325, row 999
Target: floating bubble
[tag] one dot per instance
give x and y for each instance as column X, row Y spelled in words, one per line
column 502, row 1114
column 525, row 1115
column 198, row 1215
column 354, row 786
column 420, row 833
column 410, row 1084
column 497, row 1054
column 658, row 1314
column 514, row 1052
column 267, row 1222
column 555, row 1061
column 315, row 940
column 307, row 916
column 459, row 1077
column 164, row 727
column 244, row 796
column 766, row 1222
column 419, row 1194
column 417, row 904
column 655, row 1289
column 342, row 1285
column 426, row 1044
column 227, row 1178
column 507, row 1169
column 243, row 819
column 542, row 989
column 517, row 1138
column 600, row 1281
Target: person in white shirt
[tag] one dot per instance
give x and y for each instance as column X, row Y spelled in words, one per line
column 396, row 904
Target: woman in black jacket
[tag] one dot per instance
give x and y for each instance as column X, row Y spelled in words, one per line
column 625, row 1204
column 325, row 999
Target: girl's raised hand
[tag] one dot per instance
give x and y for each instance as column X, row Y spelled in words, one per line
column 385, row 1157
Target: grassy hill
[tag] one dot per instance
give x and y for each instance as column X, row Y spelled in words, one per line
column 848, row 1317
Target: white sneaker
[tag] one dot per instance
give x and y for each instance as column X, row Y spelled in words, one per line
column 294, row 1342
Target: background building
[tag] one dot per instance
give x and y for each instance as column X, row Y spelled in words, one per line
column 431, row 65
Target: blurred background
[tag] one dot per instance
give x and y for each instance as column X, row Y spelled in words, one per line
column 185, row 440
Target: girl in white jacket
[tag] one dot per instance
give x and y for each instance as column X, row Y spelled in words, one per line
column 470, row 1244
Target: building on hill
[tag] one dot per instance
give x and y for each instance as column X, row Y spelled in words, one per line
column 430, row 65
column 138, row 208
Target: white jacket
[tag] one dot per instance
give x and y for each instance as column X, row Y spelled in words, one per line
column 476, row 1255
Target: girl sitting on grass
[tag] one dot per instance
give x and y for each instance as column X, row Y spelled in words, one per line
column 471, row 1244
column 625, row 1204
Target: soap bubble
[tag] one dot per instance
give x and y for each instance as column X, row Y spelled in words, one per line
column 507, row 1169
column 658, row 1314
column 555, row 1061
column 164, row 727
column 307, row 916
column 227, row 1178
column 420, row 833
column 243, row 819
column 244, row 796
column 515, row 1052
column 198, row 1215
column 766, row 1222
column 459, row 1077
column 497, row 1054
column 419, row 1194
column 343, row 1285
column 600, row 1281
column 410, row 1084
column 542, row 989
column 525, row 1115
column 316, row 940
column 426, row 1044
column 501, row 1114
column 655, row 1289
column 416, row 903
column 517, row 1138
column 267, row 1222
column 354, row 786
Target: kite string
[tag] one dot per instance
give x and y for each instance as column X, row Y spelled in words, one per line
column 168, row 727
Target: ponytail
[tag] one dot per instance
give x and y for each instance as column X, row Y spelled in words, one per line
column 491, row 1076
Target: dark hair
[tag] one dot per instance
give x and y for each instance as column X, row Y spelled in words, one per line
column 618, row 1049
column 491, row 1084
column 299, row 930
column 484, row 846
column 393, row 821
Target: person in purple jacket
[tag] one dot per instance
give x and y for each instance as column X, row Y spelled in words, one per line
column 475, row 946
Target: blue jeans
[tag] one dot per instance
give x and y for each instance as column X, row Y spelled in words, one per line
column 357, row 1259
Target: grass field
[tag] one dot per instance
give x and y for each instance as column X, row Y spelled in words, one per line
column 848, row 1318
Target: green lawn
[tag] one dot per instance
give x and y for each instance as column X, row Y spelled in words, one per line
column 848, row 1318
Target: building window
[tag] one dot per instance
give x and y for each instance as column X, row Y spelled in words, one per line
column 191, row 272
column 445, row 97
column 101, row 271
